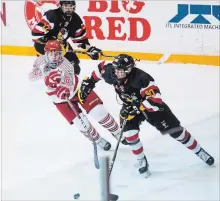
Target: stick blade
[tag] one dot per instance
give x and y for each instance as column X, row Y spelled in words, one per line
column 113, row 197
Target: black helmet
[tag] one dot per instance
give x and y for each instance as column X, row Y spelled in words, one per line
column 68, row 13
column 73, row 2
column 124, row 61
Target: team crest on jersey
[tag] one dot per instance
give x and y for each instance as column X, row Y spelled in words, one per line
column 34, row 10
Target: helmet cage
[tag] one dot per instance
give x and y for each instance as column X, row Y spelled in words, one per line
column 53, row 58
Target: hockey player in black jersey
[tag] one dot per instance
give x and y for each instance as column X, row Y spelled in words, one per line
column 141, row 101
column 63, row 24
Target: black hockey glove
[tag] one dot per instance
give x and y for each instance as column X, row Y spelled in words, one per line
column 86, row 87
column 128, row 112
column 94, row 53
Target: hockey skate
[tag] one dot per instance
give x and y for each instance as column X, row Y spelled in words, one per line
column 142, row 166
column 105, row 145
column 208, row 159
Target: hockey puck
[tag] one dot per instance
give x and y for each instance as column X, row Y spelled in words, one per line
column 76, row 196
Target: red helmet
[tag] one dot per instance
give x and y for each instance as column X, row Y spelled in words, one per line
column 52, row 45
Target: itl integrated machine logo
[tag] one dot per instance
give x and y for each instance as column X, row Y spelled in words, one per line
column 196, row 17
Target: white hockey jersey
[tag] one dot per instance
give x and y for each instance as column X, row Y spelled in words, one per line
column 68, row 77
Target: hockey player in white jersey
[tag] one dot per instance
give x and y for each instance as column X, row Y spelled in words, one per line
column 61, row 84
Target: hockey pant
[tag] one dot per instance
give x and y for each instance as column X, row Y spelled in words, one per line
column 94, row 107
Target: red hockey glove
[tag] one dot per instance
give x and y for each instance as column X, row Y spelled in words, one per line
column 53, row 79
column 63, row 92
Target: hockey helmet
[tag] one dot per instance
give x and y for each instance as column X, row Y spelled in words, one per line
column 68, row 7
column 53, row 53
column 123, row 65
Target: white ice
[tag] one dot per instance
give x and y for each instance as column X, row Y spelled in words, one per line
column 44, row 158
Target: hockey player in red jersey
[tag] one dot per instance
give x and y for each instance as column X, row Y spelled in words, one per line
column 64, row 24
column 61, row 83
column 141, row 101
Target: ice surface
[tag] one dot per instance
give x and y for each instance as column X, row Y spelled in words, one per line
column 44, row 158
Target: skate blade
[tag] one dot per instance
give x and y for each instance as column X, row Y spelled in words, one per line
column 147, row 174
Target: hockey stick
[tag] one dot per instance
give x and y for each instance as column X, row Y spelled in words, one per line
column 114, row 197
column 116, row 149
column 71, row 43
column 96, row 159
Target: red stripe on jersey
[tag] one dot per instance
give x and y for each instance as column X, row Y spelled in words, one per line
column 46, row 23
column 79, row 32
column 78, row 39
column 37, row 31
column 52, row 93
column 156, row 100
column 95, row 77
column 148, row 109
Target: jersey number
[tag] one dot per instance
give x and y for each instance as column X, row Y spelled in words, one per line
column 150, row 93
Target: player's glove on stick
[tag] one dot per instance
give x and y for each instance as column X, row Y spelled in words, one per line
column 86, row 87
column 94, row 53
column 128, row 112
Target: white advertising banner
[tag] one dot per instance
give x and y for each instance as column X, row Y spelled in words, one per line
column 184, row 27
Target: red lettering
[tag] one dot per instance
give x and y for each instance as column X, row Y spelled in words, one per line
column 93, row 6
column 133, row 29
column 114, row 7
column 113, row 28
column 133, row 7
column 93, row 23
column 3, row 13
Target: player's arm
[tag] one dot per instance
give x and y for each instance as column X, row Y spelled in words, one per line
column 150, row 99
column 36, row 72
column 150, row 93
column 88, row 83
column 79, row 40
column 41, row 29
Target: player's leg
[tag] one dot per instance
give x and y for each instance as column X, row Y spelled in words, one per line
column 131, row 134
column 168, row 123
column 86, row 128
column 94, row 107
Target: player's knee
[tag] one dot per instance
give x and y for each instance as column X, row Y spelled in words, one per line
column 77, row 121
column 176, row 132
column 98, row 112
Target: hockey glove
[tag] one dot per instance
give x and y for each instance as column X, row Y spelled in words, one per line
column 94, row 53
column 53, row 79
column 62, row 92
column 86, row 87
column 127, row 113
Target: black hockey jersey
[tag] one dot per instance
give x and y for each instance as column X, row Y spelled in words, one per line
column 138, row 83
column 53, row 22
